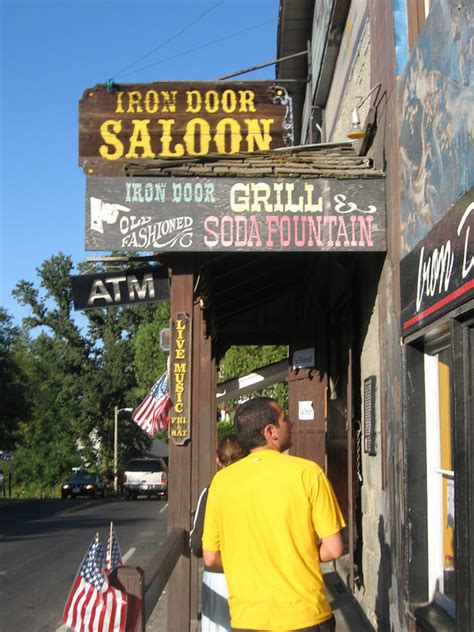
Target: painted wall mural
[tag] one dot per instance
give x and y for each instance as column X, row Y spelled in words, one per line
column 437, row 119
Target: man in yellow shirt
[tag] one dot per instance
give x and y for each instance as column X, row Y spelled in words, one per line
column 271, row 518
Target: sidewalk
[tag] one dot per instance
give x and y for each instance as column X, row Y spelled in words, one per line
column 348, row 614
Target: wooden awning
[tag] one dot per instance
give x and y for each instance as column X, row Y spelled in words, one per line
column 256, row 297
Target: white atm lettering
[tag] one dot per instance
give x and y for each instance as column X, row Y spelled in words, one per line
column 121, row 288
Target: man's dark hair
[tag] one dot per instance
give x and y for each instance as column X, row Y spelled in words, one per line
column 230, row 449
column 251, row 418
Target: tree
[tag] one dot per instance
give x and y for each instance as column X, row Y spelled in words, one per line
column 14, row 391
column 59, row 359
column 150, row 359
column 78, row 379
column 129, row 363
column 239, row 361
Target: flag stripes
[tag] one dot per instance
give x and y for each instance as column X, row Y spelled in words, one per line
column 152, row 414
column 93, row 605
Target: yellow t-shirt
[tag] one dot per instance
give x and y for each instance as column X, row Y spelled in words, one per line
column 264, row 514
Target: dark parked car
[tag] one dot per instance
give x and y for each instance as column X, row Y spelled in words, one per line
column 83, row 484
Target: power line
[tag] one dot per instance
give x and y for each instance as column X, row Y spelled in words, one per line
column 268, row 63
column 170, row 39
column 196, row 48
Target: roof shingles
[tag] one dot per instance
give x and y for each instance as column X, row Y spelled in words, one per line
column 309, row 161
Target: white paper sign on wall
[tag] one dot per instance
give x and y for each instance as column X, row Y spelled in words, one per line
column 305, row 411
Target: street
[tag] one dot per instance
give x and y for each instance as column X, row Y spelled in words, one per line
column 42, row 543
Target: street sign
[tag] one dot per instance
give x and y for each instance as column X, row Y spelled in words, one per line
column 127, row 287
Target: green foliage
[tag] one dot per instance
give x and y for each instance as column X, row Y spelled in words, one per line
column 13, row 390
column 162, row 436
column 241, row 360
column 224, row 428
column 244, row 359
column 150, row 359
column 75, row 381
column 62, row 383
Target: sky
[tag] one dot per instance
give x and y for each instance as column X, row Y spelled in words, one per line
column 51, row 51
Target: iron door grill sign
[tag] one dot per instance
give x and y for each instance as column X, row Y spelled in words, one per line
column 175, row 119
column 179, row 427
column 127, row 287
column 235, row 214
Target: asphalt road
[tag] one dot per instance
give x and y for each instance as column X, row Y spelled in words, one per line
column 42, row 543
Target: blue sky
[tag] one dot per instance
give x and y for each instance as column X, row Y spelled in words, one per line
column 51, row 51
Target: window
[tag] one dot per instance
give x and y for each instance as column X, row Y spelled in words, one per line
column 440, row 476
column 146, row 465
column 439, row 396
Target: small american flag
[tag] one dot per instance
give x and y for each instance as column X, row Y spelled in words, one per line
column 152, row 414
column 93, row 605
column 114, row 556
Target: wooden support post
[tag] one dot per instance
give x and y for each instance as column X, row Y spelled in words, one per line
column 179, row 496
column 204, row 435
column 161, row 566
column 131, row 579
column 309, row 384
column 206, row 405
column 350, row 468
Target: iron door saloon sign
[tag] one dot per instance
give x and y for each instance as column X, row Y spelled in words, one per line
column 170, row 120
column 179, row 427
column 230, row 214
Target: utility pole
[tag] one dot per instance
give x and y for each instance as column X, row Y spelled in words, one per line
column 116, row 416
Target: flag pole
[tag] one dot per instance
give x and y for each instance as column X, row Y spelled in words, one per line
column 110, row 540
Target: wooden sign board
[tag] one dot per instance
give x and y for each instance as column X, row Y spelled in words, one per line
column 127, row 287
column 231, row 214
column 438, row 275
column 179, row 427
column 170, row 120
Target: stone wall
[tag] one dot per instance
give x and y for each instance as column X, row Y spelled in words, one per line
column 356, row 89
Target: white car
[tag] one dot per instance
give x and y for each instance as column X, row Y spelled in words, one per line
column 146, row 477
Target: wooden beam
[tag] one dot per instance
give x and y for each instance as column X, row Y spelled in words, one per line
column 203, row 431
column 160, row 568
column 179, row 497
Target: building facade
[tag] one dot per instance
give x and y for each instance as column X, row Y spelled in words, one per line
column 378, row 323
column 399, row 362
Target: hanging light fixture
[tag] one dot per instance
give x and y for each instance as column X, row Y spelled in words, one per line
column 356, row 130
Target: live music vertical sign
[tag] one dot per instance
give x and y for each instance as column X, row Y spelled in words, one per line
column 179, row 429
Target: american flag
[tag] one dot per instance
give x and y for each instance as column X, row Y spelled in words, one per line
column 152, row 414
column 93, row 605
column 113, row 557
